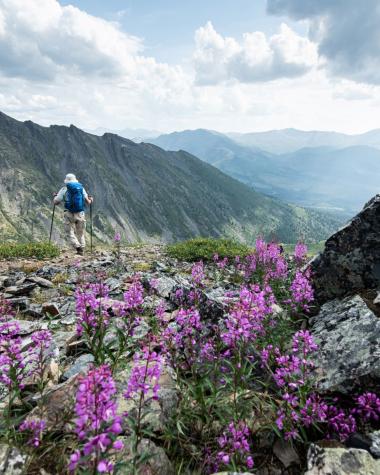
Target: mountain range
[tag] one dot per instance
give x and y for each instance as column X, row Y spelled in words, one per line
column 340, row 177
column 291, row 140
column 143, row 191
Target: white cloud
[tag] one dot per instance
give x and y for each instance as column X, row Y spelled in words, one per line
column 347, row 32
column 42, row 39
column 256, row 58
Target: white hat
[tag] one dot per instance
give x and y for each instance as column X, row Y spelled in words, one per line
column 70, row 178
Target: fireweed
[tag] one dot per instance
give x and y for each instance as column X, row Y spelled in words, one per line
column 97, row 424
column 235, row 450
column 98, row 318
column 35, row 427
column 240, row 377
column 143, row 386
column 19, row 366
column 93, row 317
column 127, row 319
column 117, row 243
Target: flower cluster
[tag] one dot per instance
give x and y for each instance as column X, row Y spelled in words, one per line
column 339, row 423
column 246, row 320
column 134, row 296
column 13, row 365
column 368, row 407
column 301, row 291
column 180, row 339
column 235, row 447
column 89, row 299
column 300, row 253
column 36, row 427
column 145, row 375
column 97, row 424
column 197, row 273
column 266, row 263
column 220, row 263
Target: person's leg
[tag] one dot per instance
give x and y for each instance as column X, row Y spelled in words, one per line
column 80, row 226
column 69, row 223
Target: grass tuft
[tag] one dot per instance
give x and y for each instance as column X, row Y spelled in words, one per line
column 205, row 249
column 38, row 250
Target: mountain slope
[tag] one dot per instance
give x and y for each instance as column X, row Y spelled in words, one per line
column 140, row 189
column 243, row 163
column 290, row 140
column 321, row 177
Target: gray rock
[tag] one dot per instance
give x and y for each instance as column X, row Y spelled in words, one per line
column 63, row 339
column 214, row 304
column 40, row 281
column 3, row 281
column 20, row 303
column 351, row 259
column 156, row 412
column 340, row 461
column 48, row 272
column 68, row 307
column 69, row 319
column 80, row 365
column 286, row 453
column 113, row 284
column 375, row 445
column 57, row 405
column 20, row 290
column 27, row 327
column 157, row 462
column 348, row 335
column 34, row 310
column 12, row 461
column 165, row 286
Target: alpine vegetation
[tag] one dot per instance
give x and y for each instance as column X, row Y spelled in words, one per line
column 204, row 369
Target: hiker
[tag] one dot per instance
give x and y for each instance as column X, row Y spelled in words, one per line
column 75, row 197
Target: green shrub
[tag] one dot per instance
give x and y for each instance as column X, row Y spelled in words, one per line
column 39, row 250
column 205, row 249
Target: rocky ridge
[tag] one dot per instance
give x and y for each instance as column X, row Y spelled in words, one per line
column 140, row 190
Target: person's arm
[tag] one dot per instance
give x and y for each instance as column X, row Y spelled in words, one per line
column 60, row 196
column 88, row 199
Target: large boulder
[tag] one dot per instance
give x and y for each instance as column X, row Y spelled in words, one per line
column 351, row 259
column 348, row 335
column 340, row 461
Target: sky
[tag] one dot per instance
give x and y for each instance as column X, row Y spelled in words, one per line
column 169, row 65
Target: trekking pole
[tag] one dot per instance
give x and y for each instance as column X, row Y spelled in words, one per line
column 91, row 227
column 51, row 225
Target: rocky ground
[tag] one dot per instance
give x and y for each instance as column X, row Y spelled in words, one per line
column 346, row 326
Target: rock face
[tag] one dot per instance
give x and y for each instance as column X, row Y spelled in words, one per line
column 12, row 461
column 340, row 461
column 351, row 259
column 348, row 335
column 157, row 462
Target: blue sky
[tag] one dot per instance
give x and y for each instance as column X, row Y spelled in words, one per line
column 245, row 65
column 168, row 26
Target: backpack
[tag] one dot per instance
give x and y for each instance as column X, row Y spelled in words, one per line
column 74, row 199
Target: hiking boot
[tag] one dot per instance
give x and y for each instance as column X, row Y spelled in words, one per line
column 80, row 251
